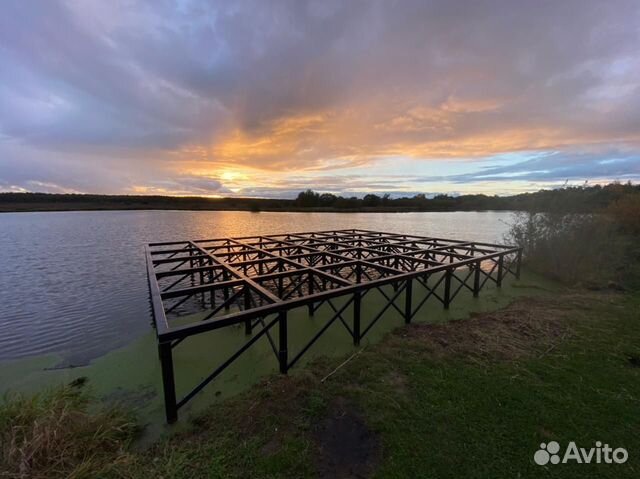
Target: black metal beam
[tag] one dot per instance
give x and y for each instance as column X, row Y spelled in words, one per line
column 242, row 267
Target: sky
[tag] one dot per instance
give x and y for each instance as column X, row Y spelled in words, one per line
column 267, row 98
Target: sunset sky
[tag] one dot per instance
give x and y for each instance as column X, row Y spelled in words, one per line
column 266, row 98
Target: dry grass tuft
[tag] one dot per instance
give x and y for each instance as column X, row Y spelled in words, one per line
column 52, row 434
column 530, row 326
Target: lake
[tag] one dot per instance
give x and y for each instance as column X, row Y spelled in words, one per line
column 74, row 283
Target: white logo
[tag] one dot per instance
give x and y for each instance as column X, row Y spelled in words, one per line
column 549, row 453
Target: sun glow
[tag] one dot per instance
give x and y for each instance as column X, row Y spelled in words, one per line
column 232, row 175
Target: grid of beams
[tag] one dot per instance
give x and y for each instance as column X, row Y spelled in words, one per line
column 255, row 280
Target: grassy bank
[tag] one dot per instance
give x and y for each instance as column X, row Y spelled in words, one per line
column 468, row 398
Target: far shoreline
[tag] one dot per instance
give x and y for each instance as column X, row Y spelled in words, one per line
column 246, row 210
column 582, row 199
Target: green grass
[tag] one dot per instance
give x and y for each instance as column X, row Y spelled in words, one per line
column 470, row 398
column 440, row 414
column 487, row 419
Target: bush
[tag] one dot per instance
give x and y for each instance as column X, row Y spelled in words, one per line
column 584, row 249
column 52, row 434
column 626, row 213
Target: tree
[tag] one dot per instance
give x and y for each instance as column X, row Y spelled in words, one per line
column 308, row 198
column 328, row 199
column 371, row 200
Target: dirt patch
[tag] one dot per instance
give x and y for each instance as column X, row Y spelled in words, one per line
column 346, row 447
column 529, row 326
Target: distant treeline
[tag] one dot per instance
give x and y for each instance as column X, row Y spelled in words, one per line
column 61, row 202
column 578, row 199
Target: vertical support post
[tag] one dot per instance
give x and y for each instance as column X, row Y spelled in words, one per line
column 357, row 302
column 201, row 263
column 500, row 268
column 225, row 277
column 191, row 265
column 168, row 381
column 518, row 263
column 311, row 309
column 476, row 279
column 247, row 305
column 212, row 297
column 447, row 288
column 408, row 303
column 283, row 353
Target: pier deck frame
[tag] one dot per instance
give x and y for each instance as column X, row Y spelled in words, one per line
column 255, row 280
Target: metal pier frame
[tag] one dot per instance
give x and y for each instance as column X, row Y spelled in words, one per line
column 256, row 280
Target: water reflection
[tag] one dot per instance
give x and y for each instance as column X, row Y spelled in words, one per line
column 74, row 283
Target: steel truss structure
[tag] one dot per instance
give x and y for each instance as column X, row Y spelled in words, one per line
column 255, row 280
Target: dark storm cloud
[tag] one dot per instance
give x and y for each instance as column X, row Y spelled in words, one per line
column 108, row 96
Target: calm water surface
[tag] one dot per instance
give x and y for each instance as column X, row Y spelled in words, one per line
column 74, row 283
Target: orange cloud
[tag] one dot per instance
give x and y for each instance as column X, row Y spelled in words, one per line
column 356, row 136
